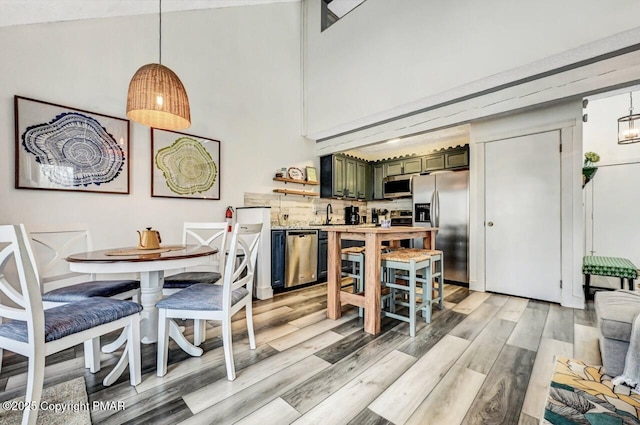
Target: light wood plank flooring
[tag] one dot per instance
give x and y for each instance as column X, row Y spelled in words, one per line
column 484, row 359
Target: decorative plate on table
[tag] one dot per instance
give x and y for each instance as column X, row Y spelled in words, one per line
column 295, row 173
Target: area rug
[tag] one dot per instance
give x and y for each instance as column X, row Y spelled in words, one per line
column 583, row 394
column 63, row 404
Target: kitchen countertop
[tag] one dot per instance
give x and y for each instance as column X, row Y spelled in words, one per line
column 318, row 226
column 375, row 229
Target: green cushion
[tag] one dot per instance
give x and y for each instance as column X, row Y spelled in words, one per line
column 609, row 266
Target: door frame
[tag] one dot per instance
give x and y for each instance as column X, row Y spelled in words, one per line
column 567, row 119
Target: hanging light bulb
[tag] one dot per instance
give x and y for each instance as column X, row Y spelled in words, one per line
column 629, row 126
column 156, row 96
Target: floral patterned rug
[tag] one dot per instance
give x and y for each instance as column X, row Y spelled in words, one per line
column 583, row 394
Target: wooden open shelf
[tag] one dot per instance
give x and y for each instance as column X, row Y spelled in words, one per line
column 288, row 180
column 296, row 192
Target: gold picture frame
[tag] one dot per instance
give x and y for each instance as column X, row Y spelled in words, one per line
column 312, row 174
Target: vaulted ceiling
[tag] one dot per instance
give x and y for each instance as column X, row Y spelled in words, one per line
column 21, row 12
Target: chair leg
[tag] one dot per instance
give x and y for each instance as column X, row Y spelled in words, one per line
column 427, row 293
column 228, row 349
column 441, row 283
column 203, row 331
column 35, row 381
column 163, row 342
column 354, row 266
column 133, row 345
column 249, row 313
column 199, row 331
column 92, row 354
column 391, row 274
column 412, row 299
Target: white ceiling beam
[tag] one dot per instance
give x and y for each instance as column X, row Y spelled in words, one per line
column 612, row 73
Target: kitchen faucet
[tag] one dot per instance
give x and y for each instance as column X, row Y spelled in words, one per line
column 329, row 210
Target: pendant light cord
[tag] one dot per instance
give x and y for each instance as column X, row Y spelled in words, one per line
column 630, row 103
column 160, row 30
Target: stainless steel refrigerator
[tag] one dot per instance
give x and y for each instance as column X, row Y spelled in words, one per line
column 442, row 200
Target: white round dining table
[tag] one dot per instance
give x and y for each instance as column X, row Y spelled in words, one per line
column 151, row 267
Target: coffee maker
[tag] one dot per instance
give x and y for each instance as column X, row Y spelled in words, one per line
column 352, row 215
column 377, row 215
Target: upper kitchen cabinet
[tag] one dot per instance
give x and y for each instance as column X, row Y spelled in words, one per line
column 344, row 177
column 378, row 175
column 433, row 162
column 362, row 178
column 450, row 159
column 404, row 166
column 457, row 158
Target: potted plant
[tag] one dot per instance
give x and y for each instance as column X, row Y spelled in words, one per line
column 589, row 169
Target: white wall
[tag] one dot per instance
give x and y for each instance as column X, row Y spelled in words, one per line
column 601, row 128
column 612, row 198
column 241, row 67
column 385, row 57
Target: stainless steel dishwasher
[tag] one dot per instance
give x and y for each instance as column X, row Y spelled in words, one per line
column 301, row 260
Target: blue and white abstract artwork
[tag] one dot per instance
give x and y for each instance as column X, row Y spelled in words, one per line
column 70, row 149
column 78, row 143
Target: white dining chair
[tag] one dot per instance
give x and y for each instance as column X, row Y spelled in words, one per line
column 30, row 330
column 213, row 234
column 216, row 302
column 51, row 244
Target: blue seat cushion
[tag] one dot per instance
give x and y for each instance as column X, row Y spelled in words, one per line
column 186, row 279
column 95, row 288
column 74, row 317
column 201, row 296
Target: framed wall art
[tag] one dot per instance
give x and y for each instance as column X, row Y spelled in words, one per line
column 312, row 174
column 184, row 166
column 63, row 148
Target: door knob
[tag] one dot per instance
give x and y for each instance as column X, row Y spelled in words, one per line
column 490, row 224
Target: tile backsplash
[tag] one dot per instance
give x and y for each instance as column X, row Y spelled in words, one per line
column 293, row 210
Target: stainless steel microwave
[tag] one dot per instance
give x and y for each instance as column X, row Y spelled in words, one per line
column 397, row 186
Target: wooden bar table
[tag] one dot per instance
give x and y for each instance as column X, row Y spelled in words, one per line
column 373, row 238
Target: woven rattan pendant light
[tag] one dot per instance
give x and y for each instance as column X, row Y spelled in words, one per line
column 156, row 96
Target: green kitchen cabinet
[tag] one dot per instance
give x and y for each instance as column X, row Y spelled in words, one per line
column 362, row 185
column 351, row 178
column 393, row 168
column 404, row 166
column 343, row 177
column 457, row 159
column 449, row 159
column 378, row 175
column 433, row 162
column 412, row 165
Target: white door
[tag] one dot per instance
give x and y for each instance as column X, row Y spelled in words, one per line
column 522, row 216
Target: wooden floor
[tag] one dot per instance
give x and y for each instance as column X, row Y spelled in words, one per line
column 485, row 359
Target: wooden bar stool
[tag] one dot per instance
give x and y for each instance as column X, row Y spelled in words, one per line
column 421, row 267
column 355, row 255
column 355, row 270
